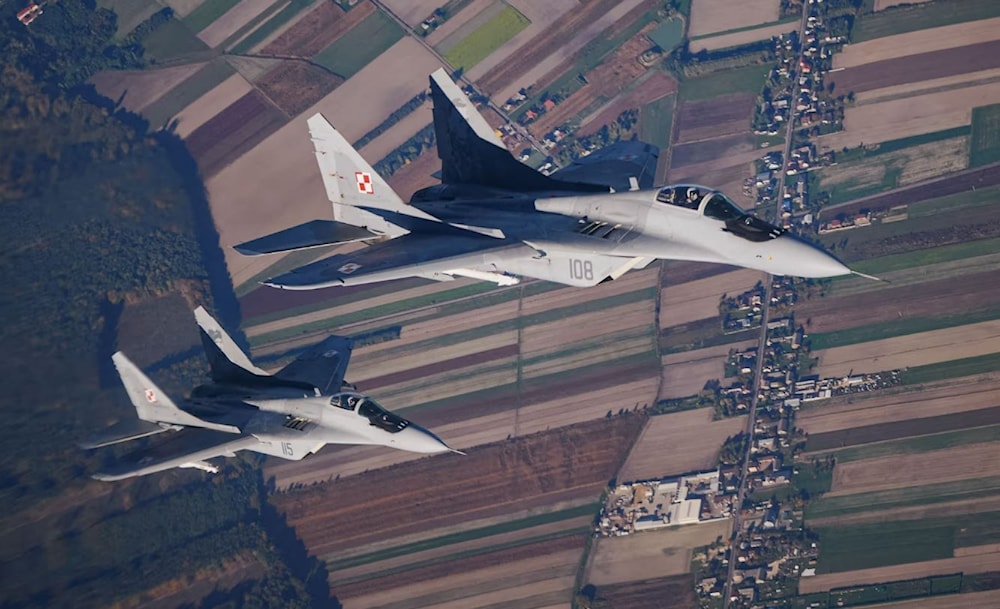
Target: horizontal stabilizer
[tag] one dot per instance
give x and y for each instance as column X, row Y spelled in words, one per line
column 123, row 431
column 316, row 233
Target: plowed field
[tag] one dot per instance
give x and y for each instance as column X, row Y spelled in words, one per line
column 319, row 29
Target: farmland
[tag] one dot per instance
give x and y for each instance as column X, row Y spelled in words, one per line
column 985, row 145
column 900, row 20
column 712, row 16
column 487, row 38
column 359, row 46
column 318, row 29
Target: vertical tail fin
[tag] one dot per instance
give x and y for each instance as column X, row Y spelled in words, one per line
column 150, row 403
column 470, row 150
column 352, row 186
column 227, row 361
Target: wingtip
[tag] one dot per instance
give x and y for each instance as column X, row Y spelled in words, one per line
column 872, row 277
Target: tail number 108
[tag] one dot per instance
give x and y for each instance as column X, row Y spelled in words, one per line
column 581, row 269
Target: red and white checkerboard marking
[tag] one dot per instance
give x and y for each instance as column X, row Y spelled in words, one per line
column 364, row 182
column 150, row 396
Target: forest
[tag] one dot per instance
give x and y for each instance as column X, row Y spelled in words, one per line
column 97, row 214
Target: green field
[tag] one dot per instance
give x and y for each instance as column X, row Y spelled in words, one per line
column 668, row 35
column 268, row 27
column 355, row 49
column 956, row 490
column 979, row 197
column 176, row 99
column 210, row 10
column 486, row 38
column 934, row 255
column 130, row 13
column 905, row 142
column 952, row 369
column 171, row 40
column 884, row 543
column 921, row 16
column 742, row 80
column 985, row 145
column 656, row 121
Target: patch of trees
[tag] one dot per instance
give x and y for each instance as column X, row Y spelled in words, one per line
column 408, row 151
column 397, row 115
column 685, row 64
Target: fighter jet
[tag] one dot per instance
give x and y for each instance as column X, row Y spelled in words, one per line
column 290, row 414
column 496, row 219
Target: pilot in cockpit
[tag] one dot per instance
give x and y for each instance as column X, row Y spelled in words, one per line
column 693, row 197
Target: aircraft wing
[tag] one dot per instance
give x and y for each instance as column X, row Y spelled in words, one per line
column 323, row 365
column 424, row 254
column 622, row 166
column 188, row 447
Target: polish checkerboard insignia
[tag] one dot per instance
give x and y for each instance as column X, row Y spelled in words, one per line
column 364, row 182
column 349, row 268
column 150, row 396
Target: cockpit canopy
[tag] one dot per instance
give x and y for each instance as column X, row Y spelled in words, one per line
column 370, row 409
column 714, row 204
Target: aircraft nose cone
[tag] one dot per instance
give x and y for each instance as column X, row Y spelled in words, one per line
column 419, row 440
column 800, row 259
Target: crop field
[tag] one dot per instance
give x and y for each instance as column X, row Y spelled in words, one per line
column 207, row 12
column 547, row 50
column 939, row 38
column 486, row 38
column 699, row 299
column 232, row 21
column 749, row 80
column 318, row 29
column 130, row 13
column 648, row 87
column 649, row 593
column 651, row 554
column 744, row 36
column 898, row 471
column 705, row 151
column 359, row 46
column 907, row 166
column 939, row 298
column 980, row 563
column 187, row 92
column 142, row 87
column 956, row 397
column 711, row 16
column 678, row 443
column 971, row 600
column 985, row 145
column 294, row 86
column 668, row 34
column 685, row 373
column 210, row 104
column 867, row 546
column 912, row 350
column 904, row 19
column 233, row 132
column 172, row 40
column 656, row 121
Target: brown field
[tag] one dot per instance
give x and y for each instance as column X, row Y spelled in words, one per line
column 723, row 41
column 233, row 132
column 656, row 85
column 979, row 563
column 676, row 272
column 699, row 172
column 607, row 81
column 709, row 150
column 921, row 87
column 678, row 443
column 899, row 471
column 243, row 196
column 911, row 350
column 541, row 338
column 141, row 87
column 651, row 554
column 906, row 116
column 318, row 29
column 725, row 115
column 952, row 396
column 917, row 42
column 456, row 21
column 970, row 600
column 931, row 299
column 685, row 373
column 542, row 16
column 914, row 67
column 650, row 593
column 954, row 269
column 294, row 86
column 419, row 173
column 492, row 479
column 233, row 19
column 458, row 580
column 551, row 50
column 710, row 16
column 699, row 299
column 913, row 164
column 412, row 11
column 208, row 105
column 399, row 133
